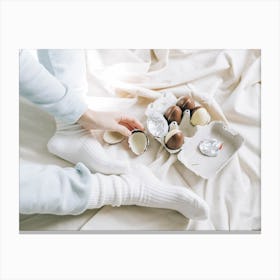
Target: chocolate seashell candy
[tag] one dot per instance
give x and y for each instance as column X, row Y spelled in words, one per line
column 186, row 103
column 173, row 113
column 174, row 139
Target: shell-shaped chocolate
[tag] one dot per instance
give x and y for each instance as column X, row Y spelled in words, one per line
column 112, row 137
column 173, row 113
column 138, row 142
column 186, row 103
column 174, row 140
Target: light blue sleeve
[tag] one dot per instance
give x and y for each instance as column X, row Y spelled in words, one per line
column 68, row 66
column 40, row 87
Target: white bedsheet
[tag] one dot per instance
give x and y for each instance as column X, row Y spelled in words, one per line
column 226, row 82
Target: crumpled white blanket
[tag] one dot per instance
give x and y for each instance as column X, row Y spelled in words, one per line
column 227, row 83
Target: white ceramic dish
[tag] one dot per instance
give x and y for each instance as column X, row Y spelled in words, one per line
column 189, row 153
column 205, row 166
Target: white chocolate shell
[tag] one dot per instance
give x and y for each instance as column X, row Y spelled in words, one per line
column 112, row 137
column 200, row 117
column 138, row 142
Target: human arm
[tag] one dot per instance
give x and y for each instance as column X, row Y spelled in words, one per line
column 43, row 89
column 59, row 86
column 113, row 121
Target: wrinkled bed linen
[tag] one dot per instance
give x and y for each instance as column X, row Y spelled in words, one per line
column 226, row 82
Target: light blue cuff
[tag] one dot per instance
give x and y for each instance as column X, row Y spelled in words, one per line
column 68, row 109
column 47, row 92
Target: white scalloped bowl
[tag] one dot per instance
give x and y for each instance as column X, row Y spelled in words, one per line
column 189, row 154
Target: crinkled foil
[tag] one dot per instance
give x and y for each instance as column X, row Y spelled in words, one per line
column 210, row 147
column 157, row 125
column 161, row 104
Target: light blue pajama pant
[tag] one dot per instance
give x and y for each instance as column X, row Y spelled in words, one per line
column 51, row 189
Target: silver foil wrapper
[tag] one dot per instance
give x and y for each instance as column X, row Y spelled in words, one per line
column 210, row 147
column 157, row 125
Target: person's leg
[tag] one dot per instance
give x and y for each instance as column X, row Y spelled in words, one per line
column 70, row 141
column 158, row 195
column 50, row 189
column 54, row 190
column 75, row 144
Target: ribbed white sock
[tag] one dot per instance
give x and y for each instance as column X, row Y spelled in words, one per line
column 140, row 187
column 75, row 144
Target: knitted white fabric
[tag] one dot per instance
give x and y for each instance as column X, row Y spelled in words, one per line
column 137, row 187
column 75, row 144
column 140, row 187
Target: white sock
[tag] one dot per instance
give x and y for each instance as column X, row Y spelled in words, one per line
column 144, row 189
column 137, row 187
column 75, row 144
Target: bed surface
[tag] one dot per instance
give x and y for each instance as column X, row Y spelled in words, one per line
column 226, row 82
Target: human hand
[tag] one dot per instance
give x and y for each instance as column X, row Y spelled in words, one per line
column 112, row 121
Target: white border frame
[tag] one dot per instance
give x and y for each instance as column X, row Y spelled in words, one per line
column 191, row 24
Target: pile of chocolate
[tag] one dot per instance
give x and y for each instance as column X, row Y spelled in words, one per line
column 174, row 139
